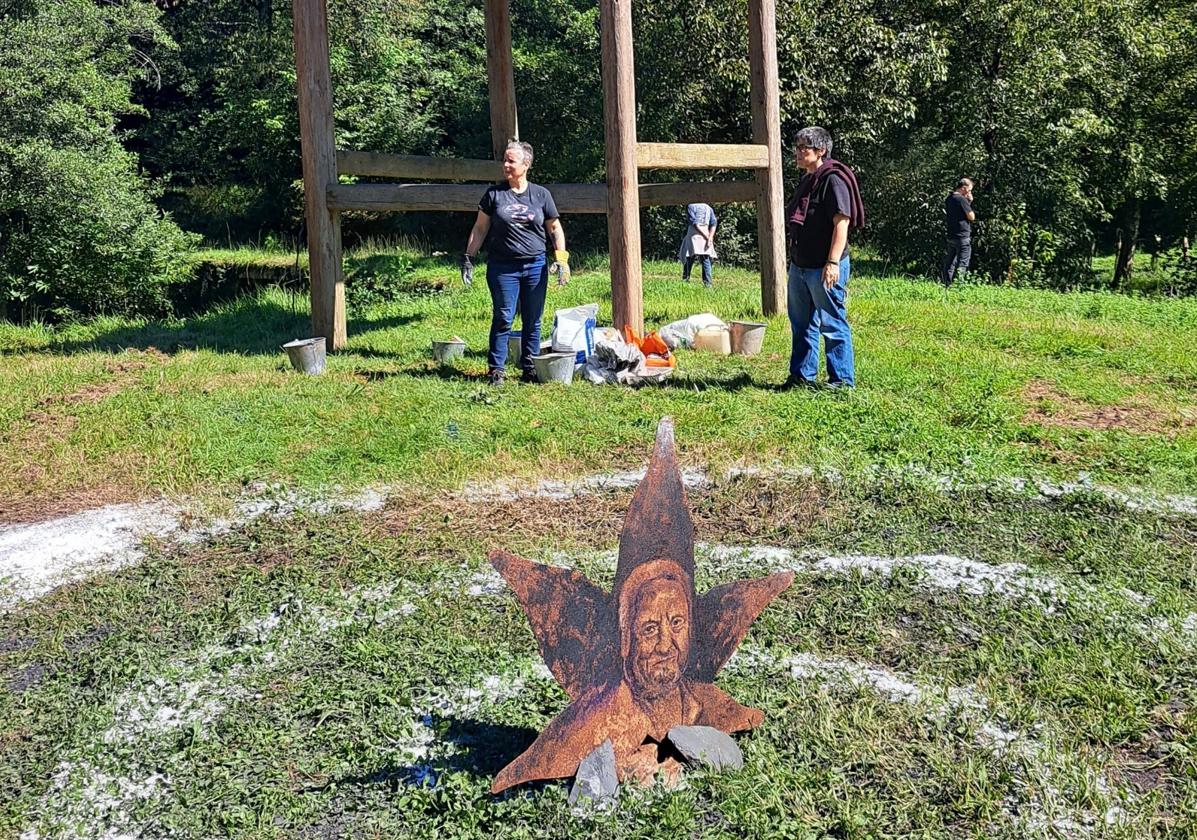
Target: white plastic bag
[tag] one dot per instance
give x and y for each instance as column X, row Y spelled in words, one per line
column 681, row 333
column 573, row 330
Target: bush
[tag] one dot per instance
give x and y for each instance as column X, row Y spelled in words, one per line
column 79, row 233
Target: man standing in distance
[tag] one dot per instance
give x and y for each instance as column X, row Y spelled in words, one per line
column 824, row 208
column 959, row 229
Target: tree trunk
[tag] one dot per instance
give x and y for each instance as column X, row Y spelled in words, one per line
column 1128, row 221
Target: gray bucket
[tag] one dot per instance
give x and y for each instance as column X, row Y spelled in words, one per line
column 747, row 337
column 555, row 367
column 306, row 355
column 513, row 350
column 444, row 351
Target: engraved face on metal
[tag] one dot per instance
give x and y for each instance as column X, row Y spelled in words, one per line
column 660, row 637
column 642, row 658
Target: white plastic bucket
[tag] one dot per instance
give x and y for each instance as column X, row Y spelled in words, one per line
column 713, row 340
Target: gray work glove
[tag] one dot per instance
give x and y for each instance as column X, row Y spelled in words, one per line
column 467, row 270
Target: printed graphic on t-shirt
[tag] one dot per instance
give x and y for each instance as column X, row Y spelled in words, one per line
column 520, row 213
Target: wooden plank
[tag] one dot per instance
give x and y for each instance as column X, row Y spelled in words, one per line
column 701, row 156
column 766, row 130
column 381, row 198
column 319, row 170
column 623, row 198
column 688, row 192
column 500, row 76
column 570, row 198
column 417, row 167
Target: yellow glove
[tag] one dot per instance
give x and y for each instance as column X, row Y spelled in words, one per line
column 560, row 267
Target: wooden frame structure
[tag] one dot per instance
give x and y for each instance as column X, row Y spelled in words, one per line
column 620, row 198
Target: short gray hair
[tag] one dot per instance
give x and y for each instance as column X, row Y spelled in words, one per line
column 815, row 137
column 524, row 148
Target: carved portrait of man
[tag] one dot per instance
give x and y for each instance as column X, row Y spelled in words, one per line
column 641, row 660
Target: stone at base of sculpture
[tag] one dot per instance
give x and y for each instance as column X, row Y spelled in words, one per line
column 641, row 660
column 596, row 780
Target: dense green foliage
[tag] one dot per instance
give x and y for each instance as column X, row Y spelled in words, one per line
column 1078, row 120
column 79, row 231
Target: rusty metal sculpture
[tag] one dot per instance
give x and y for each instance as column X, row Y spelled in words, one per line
column 642, row 659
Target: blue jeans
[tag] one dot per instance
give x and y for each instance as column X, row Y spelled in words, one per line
column 815, row 311
column 512, row 283
column 705, row 260
column 957, row 253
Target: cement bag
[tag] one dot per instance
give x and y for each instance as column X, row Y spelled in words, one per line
column 573, row 330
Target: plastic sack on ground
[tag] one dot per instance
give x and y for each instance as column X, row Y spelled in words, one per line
column 573, row 330
column 681, row 333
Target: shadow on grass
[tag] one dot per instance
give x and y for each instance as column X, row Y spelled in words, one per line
column 483, row 749
column 248, row 325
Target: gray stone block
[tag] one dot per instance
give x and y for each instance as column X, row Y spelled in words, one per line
column 596, row 779
column 707, row 746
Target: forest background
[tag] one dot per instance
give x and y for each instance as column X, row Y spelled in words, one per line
column 133, row 132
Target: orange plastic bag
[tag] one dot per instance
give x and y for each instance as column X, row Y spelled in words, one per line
column 655, row 350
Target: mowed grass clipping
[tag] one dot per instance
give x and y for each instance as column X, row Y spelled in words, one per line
column 975, row 382
column 367, row 676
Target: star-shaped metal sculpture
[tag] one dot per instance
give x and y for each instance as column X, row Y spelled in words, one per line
column 642, row 659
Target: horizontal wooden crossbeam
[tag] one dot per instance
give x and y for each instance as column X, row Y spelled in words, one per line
column 701, row 156
column 417, row 167
column 570, row 198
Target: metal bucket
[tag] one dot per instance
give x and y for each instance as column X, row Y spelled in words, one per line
column 306, row 355
column 513, row 350
column 555, row 367
column 443, row 351
column 747, row 337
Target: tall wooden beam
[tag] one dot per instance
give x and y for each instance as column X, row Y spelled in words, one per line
column 766, row 130
column 319, row 170
column 500, row 75
column 623, row 201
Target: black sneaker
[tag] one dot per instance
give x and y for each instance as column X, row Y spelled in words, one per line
column 496, row 376
column 528, row 377
column 797, row 382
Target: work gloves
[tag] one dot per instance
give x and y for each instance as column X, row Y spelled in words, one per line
column 560, row 267
column 467, row 270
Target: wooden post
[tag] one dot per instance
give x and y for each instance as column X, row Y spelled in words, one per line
column 623, row 200
column 319, row 170
column 766, row 130
column 500, row 76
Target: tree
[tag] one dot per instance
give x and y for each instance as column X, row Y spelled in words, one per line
column 79, row 232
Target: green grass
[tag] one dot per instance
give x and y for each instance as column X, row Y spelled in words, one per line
column 318, row 669
column 943, row 384
column 314, row 727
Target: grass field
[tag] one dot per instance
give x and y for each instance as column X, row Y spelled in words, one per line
column 992, row 631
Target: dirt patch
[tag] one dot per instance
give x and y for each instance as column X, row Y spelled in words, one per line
column 779, row 511
column 37, row 507
column 1048, row 405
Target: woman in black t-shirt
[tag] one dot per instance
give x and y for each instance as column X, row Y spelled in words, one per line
column 512, row 222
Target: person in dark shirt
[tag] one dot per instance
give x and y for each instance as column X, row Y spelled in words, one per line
column 512, row 222
column 959, row 230
column 824, row 208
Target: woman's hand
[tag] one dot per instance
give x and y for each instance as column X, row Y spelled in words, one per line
column 467, row 270
column 560, row 266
